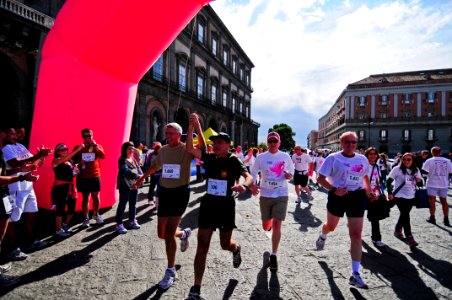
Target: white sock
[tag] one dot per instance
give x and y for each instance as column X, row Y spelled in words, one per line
column 355, row 266
column 322, row 235
column 273, row 253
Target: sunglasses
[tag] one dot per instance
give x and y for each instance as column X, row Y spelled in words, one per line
column 350, row 142
column 407, row 159
column 63, row 149
column 272, row 141
column 87, row 136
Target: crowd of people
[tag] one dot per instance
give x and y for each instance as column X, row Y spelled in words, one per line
column 356, row 181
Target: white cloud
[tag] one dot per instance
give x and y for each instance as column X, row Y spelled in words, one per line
column 306, row 52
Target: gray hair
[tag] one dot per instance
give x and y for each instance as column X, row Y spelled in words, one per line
column 347, row 133
column 176, row 126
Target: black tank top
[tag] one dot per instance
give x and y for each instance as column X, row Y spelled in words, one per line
column 63, row 172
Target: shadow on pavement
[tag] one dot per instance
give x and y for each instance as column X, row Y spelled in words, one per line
column 190, row 219
column 356, row 294
column 394, row 267
column 335, row 291
column 230, row 289
column 439, row 270
column 305, row 218
column 147, row 294
column 62, row 264
column 264, row 288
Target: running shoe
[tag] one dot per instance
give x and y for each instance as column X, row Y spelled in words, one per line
column 320, row 243
column 99, row 219
column 357, row 281
column 37, row 244
column 398, row 234
column 411, row 242
column 378, row 244
column 17, row 254
column 62, row 234
column 432, row 220
column 5, row 268
column 66, row 228
column 184, row 240
column 85, row 223
column 273, row 263
column 193, row 295
column 446, row 221
column 7, row 280
column 134, row 225
column 236, row 258
column 121, row 229
column 168, row 279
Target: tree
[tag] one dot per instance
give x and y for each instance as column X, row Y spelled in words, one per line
column 286, row 134
column 263, row 145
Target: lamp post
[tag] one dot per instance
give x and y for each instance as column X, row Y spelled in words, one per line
column 369, row 123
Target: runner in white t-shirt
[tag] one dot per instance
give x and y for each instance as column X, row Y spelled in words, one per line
column 302, row 162
column 438, row 169
column 318, row 162
column 276, row 168
column 344, row 174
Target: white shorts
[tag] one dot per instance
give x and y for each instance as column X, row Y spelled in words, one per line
column 437, row 192
column 26, row 202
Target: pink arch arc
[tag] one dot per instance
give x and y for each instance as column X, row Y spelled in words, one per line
column 92, row 61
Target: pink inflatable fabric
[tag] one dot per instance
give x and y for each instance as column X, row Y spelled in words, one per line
column 92, row 61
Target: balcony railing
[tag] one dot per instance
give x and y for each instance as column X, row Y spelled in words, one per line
column 26, row 12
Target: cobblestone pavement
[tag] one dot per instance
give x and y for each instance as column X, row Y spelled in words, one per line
column 97, row 263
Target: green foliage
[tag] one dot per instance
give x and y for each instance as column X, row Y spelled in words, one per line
column 286, row 134
column 263, row 145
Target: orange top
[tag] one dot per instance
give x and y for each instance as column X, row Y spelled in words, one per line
column 88, row 161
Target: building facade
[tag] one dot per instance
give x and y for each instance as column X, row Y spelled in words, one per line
column 204, row 71
column 312, row 139
column 395, row 112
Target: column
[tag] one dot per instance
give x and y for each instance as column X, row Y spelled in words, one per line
column 396, row 104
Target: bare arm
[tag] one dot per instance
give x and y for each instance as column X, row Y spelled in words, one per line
column 196, row 152
column 62, row 159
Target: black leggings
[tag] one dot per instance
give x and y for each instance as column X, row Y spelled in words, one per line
column 61, row 198
column 405, row 206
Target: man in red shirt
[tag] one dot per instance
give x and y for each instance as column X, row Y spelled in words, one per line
column 88, row 180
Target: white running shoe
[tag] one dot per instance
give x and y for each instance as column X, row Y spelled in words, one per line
column 168, row 279
column 184, row 241
column 99, row 219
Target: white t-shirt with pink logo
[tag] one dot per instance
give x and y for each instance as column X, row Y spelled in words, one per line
column 18, row 151
column 345, row 172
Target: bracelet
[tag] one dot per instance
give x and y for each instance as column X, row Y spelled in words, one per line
column 21, row 178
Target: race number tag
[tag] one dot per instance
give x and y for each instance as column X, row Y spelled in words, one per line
column 88, row 156
column 354, row 180
column 7, row 204
column 217, row 187
column 410, row 181
column 171, row 171
column 272, row 184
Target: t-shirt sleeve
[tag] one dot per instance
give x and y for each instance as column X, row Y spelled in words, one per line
column 157, row 162
column 327, row 166
column 290, row 165
column 425, row 166
column 8, row 154
column 239, row 166
column 393, row 174
column 255, row 167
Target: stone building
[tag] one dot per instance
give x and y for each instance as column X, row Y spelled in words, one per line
column 203, row 71
column 394, row 112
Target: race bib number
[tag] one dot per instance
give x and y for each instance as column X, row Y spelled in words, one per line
column 88, row 157
column 410, row 181
column 217, row 187
column 272, row 184
column 353, row 181
column 7, row 204
column 171, row 171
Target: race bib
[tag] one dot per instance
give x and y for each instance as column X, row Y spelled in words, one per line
column 88, row 157
column 7, row 204
column 410, row 181
column 217, row 187
column 171, row 171
column 353, row 181
column 272, row 184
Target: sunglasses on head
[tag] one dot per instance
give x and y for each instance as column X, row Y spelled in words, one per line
column 350, row 142
column 272, row 141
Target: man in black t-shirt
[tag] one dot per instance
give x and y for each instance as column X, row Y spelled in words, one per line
column 217, row 209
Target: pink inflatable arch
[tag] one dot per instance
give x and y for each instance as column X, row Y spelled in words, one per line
column 92, row 61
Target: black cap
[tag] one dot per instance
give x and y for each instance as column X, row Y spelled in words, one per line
column 221, row 135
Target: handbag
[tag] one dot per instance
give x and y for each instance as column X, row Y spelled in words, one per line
column 379, row 209
column 421, row 198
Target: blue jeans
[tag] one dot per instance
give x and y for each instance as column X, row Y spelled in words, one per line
column 126, row 195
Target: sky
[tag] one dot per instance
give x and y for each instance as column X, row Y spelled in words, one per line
column 306, row 52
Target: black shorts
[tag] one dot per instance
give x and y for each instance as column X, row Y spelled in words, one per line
column 173, row 201
column 61, row 199
column 300, row 178
column 88, row 184
column 353, row 204
column 217, row 212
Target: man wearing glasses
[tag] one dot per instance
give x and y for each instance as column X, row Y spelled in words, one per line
column 88, row 180
column 276, row 168
column 344, row 174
